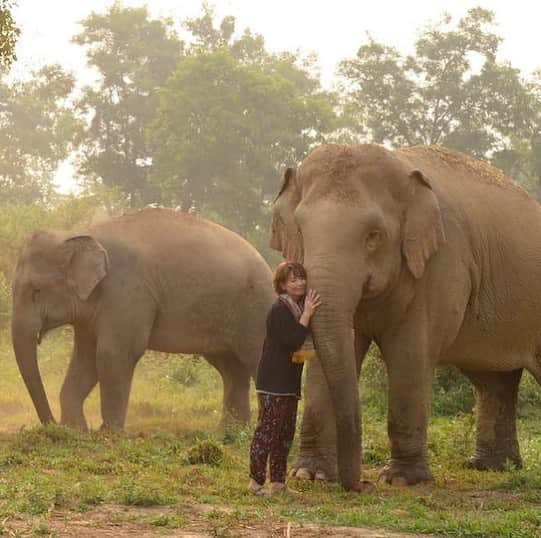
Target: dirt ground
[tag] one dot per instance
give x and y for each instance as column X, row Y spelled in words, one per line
column 119, row 521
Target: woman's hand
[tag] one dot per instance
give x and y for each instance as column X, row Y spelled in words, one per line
column 311, row 302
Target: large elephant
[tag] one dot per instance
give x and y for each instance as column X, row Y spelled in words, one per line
column 152, row 279
column 436, row 257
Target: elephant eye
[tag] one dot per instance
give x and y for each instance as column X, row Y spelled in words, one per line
column 373, row 239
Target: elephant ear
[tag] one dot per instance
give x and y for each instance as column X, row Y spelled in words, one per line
column 423, row 228
column 86, row 263
column 285, row 234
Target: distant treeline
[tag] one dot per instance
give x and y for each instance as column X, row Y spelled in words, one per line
column 199, row 115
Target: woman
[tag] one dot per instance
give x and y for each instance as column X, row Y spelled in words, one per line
column 278, row 381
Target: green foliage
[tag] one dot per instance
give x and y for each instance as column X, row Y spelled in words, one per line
column 187, row 371
column 167, row 521
column 529, row 398
column 522, row 158
column 141, row 491
column 230, row 118
column 9, row 33
column 207, row 452
column 452, row 393
column 374, row 391
column 452, row 91
column 208, row 38
column 134, row 55
column 48, row 434
column 37, row 125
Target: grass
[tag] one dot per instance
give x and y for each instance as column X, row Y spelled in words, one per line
column 170, row 469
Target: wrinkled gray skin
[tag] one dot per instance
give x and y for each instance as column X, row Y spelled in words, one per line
column 434, row 256
column 154, row 279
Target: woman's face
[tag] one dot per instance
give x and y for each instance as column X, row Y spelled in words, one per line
column 295, row 286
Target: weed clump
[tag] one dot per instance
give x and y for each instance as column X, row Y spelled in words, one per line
column 37, row 438
column 207, row 452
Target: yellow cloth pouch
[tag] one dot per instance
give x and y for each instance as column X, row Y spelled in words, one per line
column 305, row 353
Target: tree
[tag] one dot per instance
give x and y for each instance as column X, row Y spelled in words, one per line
column 9, row 32
column 36, row 128
column 206, row 37
column 230, row 118
column 133, row 55
column 522, row 157
column 451, row 92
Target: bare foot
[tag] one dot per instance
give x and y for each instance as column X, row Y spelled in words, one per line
column 255, row 488
column 277, row 487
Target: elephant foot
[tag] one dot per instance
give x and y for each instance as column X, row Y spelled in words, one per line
column 80, row 425
column 306, row 474
column 405, row 474
column 312, row 468
column 494, row 462
column 83, row 428
column 107, row 427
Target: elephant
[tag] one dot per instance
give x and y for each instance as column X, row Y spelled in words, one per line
column 435, row 257
column 150, row 279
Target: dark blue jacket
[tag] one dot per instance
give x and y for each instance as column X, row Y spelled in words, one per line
column 276, row 373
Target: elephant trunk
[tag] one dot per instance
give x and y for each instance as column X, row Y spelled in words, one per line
column 24, row 338
column 332, row 328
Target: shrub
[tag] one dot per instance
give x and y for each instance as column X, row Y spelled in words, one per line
column 374, row 391
column 207, row 452
column 529, row 398
column 187, row 371
column 452, row 393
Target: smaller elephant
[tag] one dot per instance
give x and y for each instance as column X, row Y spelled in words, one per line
column 153, row 279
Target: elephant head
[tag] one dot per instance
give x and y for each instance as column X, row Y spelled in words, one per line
column 55, row 276
column 360, row 218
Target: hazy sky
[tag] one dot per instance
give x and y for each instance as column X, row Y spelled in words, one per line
column 332, row 29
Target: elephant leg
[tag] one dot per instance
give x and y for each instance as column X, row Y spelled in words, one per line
column 119, row 347
column 496, row 409
column 81, row 378
column 236, row 382
column 410, row 384
column 115, row 373
column 317, row 450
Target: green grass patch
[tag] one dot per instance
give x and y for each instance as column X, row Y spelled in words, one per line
column 172, row 462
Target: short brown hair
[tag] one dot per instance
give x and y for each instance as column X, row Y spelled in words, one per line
column 282, row 272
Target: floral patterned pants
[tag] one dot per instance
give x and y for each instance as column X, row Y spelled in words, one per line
column 273, row 437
